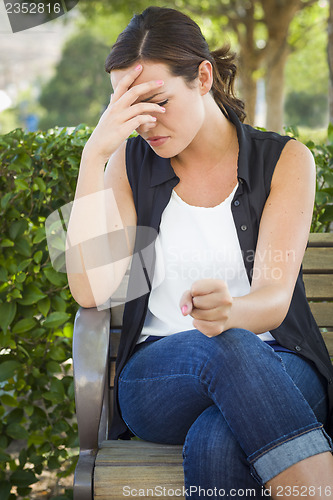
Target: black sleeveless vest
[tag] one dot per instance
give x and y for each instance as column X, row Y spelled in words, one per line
column 152, row 179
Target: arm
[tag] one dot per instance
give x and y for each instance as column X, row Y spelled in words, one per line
column 102, row 206
column 103, row 203
column 283, row 234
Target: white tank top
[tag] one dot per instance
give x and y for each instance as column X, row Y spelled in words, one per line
column 193, row 243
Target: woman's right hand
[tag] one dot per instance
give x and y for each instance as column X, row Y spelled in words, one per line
column 123, row 115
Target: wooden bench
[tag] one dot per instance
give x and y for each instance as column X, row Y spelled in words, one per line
column 106, row 467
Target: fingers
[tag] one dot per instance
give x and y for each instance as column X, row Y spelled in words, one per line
column 142, row 109
column 128, row 93
column 185, row 303
column 127, row 80
column 209, row 303
column 206, row 286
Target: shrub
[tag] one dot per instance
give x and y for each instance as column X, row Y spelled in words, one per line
column 323, row 209
column 37, row 175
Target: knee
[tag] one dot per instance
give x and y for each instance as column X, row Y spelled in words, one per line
column 241, row 345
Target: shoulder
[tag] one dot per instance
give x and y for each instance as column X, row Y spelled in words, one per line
column 296, row 164
column 265, row 139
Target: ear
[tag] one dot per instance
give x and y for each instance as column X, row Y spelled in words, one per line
column 205, row 76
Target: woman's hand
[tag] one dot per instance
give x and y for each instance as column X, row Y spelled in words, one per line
column 123, row 116
column 209, row 302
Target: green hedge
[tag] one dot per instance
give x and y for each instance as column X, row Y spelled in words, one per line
column 37, row 424
column 323, row 209
column 38, row 429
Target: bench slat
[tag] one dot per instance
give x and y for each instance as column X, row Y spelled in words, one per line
column 319, row 286
column 150, row 481
column 138, row 465
column 323, row 313
column 142, row 452
column 328, row 337
column 318, row 260
column 321, row 239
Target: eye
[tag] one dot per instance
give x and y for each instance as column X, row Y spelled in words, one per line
column 163, row 103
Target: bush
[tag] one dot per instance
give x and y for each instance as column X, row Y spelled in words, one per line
column 305, row 109
column 37, row 425
column 38, row 175
column 323, row 154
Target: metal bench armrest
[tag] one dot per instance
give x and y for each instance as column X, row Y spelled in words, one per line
column 90, row 362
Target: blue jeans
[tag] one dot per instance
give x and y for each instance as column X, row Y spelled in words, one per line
column 243, row 412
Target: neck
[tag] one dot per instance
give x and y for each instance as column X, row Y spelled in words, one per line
column 215, row 141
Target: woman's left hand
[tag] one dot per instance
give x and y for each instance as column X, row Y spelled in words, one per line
column 209, row 303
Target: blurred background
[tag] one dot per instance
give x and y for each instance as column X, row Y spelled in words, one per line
column 53, row 74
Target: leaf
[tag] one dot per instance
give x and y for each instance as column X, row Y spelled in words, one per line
column 57, row 353
column 5, row 488
column 40, row 235
column 5, row 243
column 21, row 185
column 7, row 314
column 327, row 215
column 22, row 246
column 17, row 431
column 6, row 199
column 17, row 228
column 3, row 274
column 38, row 256
column 54, row 397
column 44, row 306
column 53, row 367
column 36, row 438
column 8, row 369
column 32, row 294
column 56, row 319
column 24, row 325
column 330, row 133
column 23, row 478
column 54, row 277
column 8, row 400
column 57, row 386
column 23, row 264
column 40, row 184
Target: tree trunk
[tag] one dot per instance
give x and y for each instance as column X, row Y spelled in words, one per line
column 274, row 83
column 247, row 86
column 330, row 61
column 278, row 17
column 249, row 59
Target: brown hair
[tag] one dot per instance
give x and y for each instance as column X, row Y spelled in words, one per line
column 169, row 36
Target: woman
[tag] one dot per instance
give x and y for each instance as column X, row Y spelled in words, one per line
column 222, row 352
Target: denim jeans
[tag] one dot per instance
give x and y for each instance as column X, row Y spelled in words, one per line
column 243, row 412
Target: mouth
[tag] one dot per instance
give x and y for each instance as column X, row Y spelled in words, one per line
column 157, row 141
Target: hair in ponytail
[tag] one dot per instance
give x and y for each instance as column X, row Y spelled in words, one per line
column 224, row 74
column 171, row 37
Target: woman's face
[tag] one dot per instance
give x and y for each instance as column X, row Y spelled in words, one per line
column 185, row 110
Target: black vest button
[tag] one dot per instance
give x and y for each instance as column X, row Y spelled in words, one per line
column 243, row 227
column 298, row 348
column 236, row 203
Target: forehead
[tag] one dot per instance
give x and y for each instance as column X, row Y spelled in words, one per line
column 150, row 71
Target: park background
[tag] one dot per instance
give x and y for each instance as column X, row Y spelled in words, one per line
column 53, row 89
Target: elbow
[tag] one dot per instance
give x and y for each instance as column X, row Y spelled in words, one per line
column 281, row 309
